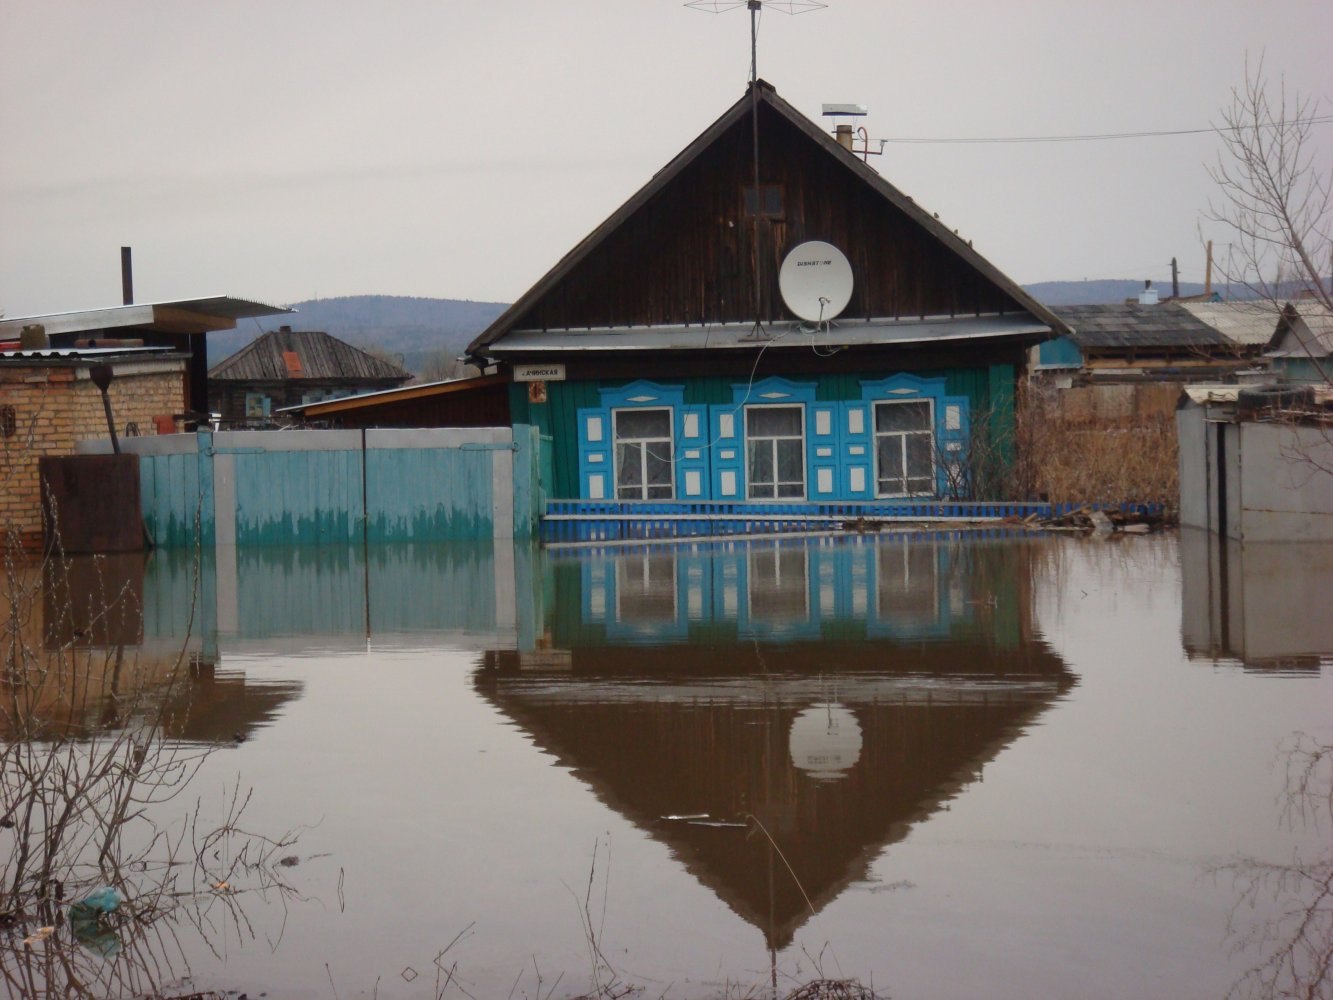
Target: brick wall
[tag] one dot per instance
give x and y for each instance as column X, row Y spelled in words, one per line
column 55, row 405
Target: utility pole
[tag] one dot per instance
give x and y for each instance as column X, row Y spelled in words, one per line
column 1175, row 280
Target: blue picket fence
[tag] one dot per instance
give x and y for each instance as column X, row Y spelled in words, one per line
column 611, row 520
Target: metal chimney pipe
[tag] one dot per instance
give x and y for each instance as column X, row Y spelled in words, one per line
column 843, row 133
column 126, row 277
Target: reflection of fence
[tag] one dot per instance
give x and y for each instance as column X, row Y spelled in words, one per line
column 336, row 487
column 597, row 521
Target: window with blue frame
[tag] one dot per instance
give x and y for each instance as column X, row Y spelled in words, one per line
column 904, row 437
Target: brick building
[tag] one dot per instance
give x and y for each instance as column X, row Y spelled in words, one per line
column 48, row 402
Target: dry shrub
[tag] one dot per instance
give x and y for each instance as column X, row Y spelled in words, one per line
column 1067, row 456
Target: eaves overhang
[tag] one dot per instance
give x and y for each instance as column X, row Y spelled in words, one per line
column 743, row 336
column 217, row 312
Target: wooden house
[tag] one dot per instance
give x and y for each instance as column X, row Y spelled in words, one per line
column 287, row 367
column 661, row 360
column 1301, row 347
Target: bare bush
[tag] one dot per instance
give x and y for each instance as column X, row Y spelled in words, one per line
column 99, row 842
column 1047, row 451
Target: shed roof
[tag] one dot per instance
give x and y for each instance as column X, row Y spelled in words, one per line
column 765, row 95
column 400, row 394
column 310, row 355
column 1131, row 325
column 1247, row 323
column 217, row 312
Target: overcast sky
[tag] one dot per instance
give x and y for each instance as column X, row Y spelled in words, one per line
column 284, row 150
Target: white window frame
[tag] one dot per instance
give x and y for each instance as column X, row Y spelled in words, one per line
column 877, row 434
column 800, row 408
column 670, row 441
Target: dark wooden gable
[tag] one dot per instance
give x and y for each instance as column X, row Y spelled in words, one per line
column 685, row 248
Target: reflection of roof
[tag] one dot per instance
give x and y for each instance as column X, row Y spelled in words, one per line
column 1247, row 323
column 1132, row 325
column 218, row 312
column 280, row 355
column 701, row 768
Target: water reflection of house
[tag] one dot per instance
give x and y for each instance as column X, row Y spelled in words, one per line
column 856, row 587
column 1262, row 603
column 94, row 637
column 824, row 696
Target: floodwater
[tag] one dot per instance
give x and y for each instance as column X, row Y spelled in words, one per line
column 947, row 766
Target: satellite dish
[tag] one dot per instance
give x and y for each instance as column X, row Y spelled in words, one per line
column 816, row 281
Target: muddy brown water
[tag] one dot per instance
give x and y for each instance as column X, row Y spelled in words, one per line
column 948, row 766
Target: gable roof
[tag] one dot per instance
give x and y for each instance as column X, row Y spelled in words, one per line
column 309, row 355
column 1305, row 329
column 1130, row 325
column 763, row 95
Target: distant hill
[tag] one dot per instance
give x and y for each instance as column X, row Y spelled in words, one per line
column 411, row 328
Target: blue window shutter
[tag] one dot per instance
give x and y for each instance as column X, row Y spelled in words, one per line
column 953, row 438
column 692, row 453
column 857, row 450
column 727, row 452
column 596, row 455
column 822, row 422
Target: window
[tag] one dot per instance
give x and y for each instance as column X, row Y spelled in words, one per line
column 775, row 452
column 768, row 204
column 643, row 454
column 257, row 406
column 904, row 448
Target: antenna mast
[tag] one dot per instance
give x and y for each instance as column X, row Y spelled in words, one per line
column 756, row 7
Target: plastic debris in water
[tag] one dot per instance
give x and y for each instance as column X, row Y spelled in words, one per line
column 104, row 900
column 41, row 934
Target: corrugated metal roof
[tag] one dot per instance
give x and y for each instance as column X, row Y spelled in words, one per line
column 1139, row 326
column 1248, row 323
column 1305, row 330
column 191, row 315
column 321, row 357
column 75, row 353
column 853, row 333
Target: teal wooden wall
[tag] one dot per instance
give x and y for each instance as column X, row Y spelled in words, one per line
column 990, row 392
column 340, row 487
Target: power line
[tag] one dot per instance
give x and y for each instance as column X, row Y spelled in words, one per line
column 1318, row 120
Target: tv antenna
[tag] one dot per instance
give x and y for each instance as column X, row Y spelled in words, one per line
column 756, row 7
